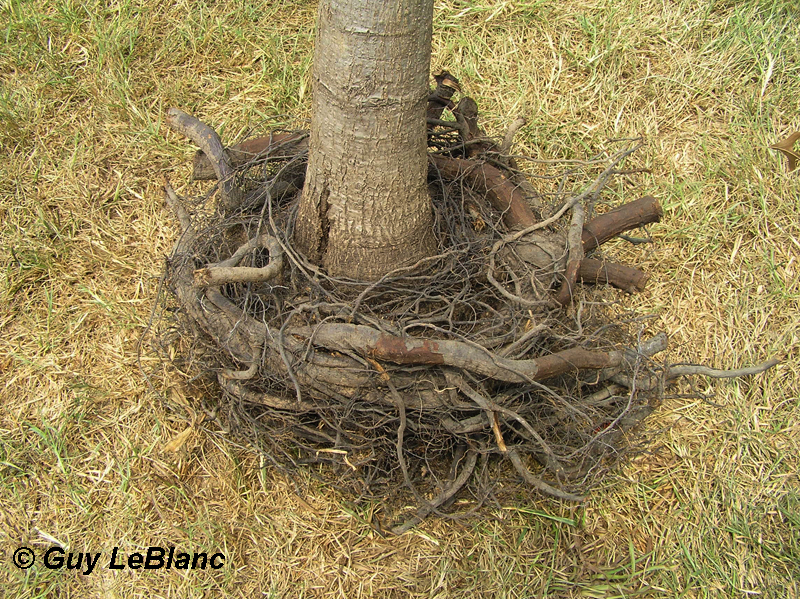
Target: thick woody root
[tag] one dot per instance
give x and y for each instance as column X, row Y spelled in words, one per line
column 506, row 197
column 423, row 376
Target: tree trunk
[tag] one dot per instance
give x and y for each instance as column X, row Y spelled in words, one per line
column 365, row 208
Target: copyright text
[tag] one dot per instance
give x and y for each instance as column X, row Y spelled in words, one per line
column 154, row 558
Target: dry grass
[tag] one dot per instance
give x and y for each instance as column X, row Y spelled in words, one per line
column 714, row 511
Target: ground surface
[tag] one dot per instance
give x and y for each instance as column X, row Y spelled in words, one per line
column 84, row 442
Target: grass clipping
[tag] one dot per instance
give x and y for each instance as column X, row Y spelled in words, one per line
column 482, row 367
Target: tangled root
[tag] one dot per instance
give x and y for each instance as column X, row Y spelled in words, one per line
column 483, row 365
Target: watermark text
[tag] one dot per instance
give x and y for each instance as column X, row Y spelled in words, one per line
column 154, row 558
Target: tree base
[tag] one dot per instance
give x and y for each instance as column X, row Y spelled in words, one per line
column 429, row 381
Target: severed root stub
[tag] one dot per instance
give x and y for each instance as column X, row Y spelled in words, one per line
column 479, row 369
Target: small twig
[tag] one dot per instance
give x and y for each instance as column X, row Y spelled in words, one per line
column 634, row 240
column 498, row 435
column 508, row 139
column 715, row 373
column 631, row 171
column 467, row 145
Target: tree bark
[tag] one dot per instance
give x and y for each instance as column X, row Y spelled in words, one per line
column 365, row 208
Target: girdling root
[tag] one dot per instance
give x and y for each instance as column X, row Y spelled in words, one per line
column 476, row 369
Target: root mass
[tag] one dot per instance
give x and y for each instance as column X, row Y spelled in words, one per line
column 476, row 369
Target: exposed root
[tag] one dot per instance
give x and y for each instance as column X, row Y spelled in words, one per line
column 446, row 495
column 209, row 142
column 402, row 385
column 228, row 271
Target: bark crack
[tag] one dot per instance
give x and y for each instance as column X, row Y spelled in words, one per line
column 324, row 223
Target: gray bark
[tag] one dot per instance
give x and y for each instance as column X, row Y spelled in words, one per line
column 365, row 208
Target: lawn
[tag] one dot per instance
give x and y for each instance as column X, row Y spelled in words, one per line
column 712, row 509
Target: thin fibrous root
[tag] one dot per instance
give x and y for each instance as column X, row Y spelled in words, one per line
column 448, row 493
column 537, row 482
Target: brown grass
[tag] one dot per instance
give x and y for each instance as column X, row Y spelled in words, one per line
column 713, row 510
